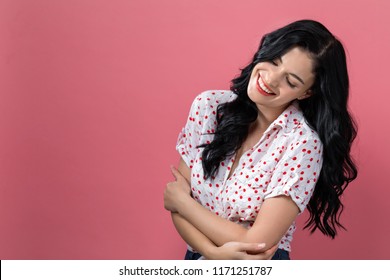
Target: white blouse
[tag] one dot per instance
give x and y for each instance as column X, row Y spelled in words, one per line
column 286, row 161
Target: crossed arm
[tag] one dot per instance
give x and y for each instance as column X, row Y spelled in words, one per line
column 212, row 235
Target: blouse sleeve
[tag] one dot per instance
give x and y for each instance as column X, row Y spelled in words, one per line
column 297, row 172
column 192, row 135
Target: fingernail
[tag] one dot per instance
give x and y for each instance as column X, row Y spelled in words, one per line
column 261, row 245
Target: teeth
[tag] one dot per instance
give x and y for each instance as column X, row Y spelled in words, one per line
column 261, row 83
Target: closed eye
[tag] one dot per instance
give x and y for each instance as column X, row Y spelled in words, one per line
column 275, row 61
column 290, row 84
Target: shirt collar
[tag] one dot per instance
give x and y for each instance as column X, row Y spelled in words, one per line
column 290, row 118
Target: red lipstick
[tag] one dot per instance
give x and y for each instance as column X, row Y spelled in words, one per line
column 259, row 89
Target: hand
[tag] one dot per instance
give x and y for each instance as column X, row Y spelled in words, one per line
column 242, row 251
column 176, row 191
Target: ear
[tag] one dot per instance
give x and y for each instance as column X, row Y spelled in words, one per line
column 307, row 94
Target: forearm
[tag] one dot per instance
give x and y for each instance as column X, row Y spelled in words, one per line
column 271, row 224
column 276, row 216
column 215, row 228
column 192, row 236
column 229, row 251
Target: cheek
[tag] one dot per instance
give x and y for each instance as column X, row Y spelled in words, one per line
column 252, row 81
column 303, row 91
column 253, row 75
column 290, row 94
column 252, row 91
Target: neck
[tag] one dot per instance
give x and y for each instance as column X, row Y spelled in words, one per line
column 268, row 115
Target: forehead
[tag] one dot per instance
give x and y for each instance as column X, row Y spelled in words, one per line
column 299, row 62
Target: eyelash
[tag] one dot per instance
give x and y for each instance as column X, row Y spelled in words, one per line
column 287, row 80
column 290, row 84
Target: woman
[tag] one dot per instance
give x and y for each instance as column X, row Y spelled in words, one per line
column 253, row 158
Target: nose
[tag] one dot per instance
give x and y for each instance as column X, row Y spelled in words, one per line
column 273, row 78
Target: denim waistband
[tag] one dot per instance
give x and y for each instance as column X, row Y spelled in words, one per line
column 280, row 254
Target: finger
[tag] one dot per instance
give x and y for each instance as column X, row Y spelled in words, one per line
column 175, row 173
column 272, row 249
column 252, row 247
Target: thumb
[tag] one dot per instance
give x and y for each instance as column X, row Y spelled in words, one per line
column 176, row 173
column 253, row 247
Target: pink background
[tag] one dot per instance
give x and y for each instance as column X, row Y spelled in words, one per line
column 93, row 95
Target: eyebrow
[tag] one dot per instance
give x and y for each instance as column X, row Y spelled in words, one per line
column 296, row 77
column 292, row 74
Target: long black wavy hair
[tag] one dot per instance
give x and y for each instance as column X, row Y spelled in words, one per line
column 326, row 112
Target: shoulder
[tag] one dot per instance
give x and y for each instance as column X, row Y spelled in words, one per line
column 203, row 113
column 298, row 128
column 212, row 98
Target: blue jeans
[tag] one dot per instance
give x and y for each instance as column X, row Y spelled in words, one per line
column 280, row 254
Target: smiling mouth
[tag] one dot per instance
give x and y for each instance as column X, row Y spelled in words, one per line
column 263, row 88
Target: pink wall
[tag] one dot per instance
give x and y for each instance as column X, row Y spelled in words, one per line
column 93, row 94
